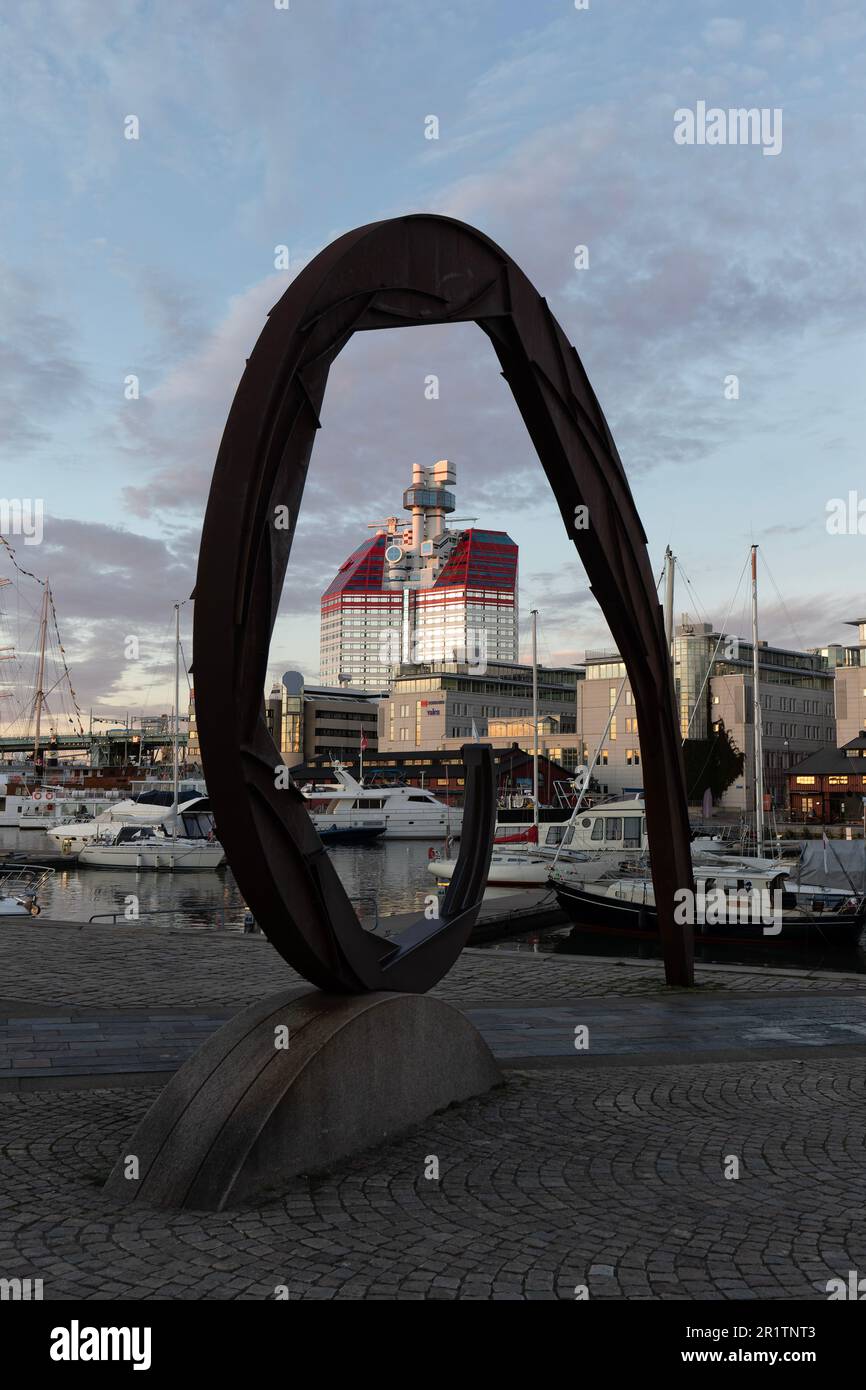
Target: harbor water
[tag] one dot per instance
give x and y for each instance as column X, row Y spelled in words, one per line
column 382, row 879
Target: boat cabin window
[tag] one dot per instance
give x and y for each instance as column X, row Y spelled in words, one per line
column 369, row 803
column 586, row 822
column 128, row 833
column 425, row 798
column 631, row 837
column 198, row 826
column 598, row 828
column 613, row 828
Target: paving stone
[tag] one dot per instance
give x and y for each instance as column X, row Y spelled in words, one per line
column 573, row 1185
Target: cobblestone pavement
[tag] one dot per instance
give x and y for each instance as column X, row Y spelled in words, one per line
column 610, row 1179
column 136, row 966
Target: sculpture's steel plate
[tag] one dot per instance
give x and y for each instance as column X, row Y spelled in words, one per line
column 395, row 274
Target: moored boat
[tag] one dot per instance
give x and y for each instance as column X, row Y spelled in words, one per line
column 20, row 885
column 150, row 808
column 149, row 847
column 616, row 826
column 410, row 813
column 725, row 907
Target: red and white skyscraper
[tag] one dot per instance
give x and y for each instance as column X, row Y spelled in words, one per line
column 416, row 591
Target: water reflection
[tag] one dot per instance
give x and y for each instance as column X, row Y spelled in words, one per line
column 385, row 878
column 381, row 878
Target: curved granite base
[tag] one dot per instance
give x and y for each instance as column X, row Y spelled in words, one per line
column 245, row 1113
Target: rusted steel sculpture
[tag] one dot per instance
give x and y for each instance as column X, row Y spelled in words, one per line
column 395, row 274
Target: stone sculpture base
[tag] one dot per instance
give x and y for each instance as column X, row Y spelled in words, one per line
column 245, row 1113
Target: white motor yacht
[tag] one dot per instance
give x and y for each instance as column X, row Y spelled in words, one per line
column 410, row 813
column 617, row 826
column 153, row 808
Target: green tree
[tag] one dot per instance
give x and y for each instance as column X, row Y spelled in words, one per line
column 713, row 762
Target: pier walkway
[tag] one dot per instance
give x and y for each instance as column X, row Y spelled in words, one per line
column 601, row 1165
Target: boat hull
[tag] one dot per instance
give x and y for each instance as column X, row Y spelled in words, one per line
column 509, row 874
column 593, row 912
column 335, row 835
column 399, row 825
column 148, row 856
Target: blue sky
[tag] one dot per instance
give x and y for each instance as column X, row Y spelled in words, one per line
column 261, row 127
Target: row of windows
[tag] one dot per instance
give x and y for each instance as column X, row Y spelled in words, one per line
column 627, row 696
column 805, row 731
column 354, row 718
column 831, row 781
column 342, row 733
column 630, row 726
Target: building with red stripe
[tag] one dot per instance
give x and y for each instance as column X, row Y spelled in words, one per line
column 418, row 591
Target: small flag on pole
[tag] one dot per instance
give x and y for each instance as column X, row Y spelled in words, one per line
column 363, row 743
column 475, row 738
column 824, row 842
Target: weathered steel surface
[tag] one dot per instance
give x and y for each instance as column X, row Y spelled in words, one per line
column 413, row 270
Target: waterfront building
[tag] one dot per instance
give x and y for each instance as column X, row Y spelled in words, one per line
column 830, row 786
column 441, row 771
column 308, row 722
column 443, row 704
column 713, row 682
column 849, row 671
column 193, row 748
column 419, row 591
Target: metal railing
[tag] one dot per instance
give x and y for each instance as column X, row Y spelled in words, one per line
column 219, row 912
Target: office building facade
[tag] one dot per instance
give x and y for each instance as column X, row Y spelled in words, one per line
column 417, row 591
column 714, row 685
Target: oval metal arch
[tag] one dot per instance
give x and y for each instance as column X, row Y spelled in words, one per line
column 412, row 270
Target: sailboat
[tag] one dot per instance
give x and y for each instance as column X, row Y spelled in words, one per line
column 619, row 897
column 158, row 845
column 521, row 857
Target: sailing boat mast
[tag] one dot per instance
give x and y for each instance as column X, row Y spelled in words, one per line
column 670, row 562
column 758, row 739
column 175, row 731
column 39, row 699
column 534, row 616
